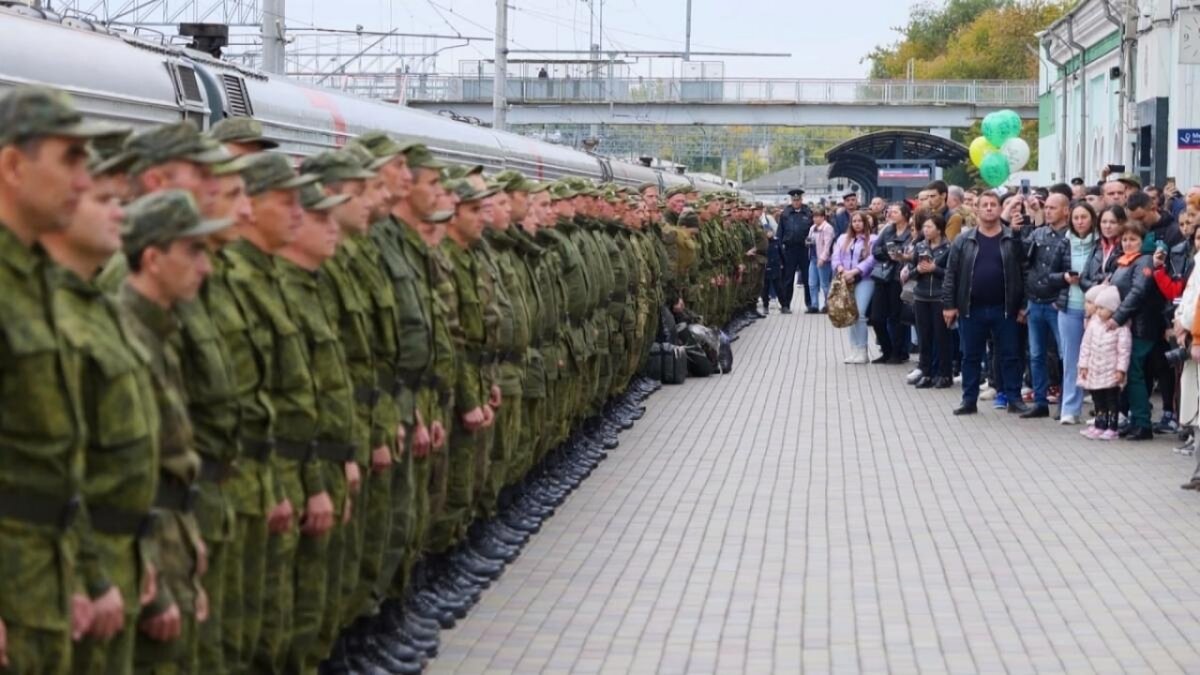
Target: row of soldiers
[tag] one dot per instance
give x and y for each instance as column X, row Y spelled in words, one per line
column 248, row 409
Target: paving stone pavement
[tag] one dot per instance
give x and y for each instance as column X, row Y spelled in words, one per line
column 805, row 515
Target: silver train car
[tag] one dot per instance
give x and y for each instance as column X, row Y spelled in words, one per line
column 141, row 80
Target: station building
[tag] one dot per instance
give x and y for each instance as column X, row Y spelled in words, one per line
column 1119, row 83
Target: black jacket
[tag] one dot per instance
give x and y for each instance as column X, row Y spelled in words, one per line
column 960, row 270
column 929, row 286
column 1141, row 302
column 794, row 225
column 1043, row 252
column 1166, row 229
column 774, row 258
column 1180, row 260
column 1099, row 267
column 883, row 262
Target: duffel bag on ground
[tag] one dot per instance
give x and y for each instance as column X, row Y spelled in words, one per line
column 675, row 364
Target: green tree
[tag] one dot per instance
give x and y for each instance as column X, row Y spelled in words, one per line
column 968, row 40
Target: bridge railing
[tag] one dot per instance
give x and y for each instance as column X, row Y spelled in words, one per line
column 471, row 89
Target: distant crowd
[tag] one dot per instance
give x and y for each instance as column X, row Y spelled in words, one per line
column 1041, row 299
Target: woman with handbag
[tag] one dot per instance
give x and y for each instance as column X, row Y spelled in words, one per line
column 853, row 263
column 891, row 250
column 925, row 271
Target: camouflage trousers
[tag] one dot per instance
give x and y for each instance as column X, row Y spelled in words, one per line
column 177, row 568
column 245, row 583
column 35, row 650
column 121, row 558
column 505, row 452
column 317, row 578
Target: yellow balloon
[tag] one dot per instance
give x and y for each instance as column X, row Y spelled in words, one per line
column 980, row 147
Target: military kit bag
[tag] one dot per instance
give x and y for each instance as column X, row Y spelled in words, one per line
column 667, row 363
column 843, row 310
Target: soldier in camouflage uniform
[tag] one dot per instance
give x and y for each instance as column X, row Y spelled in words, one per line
column 301, row 483
column 339, row 439
column 43, row 152
column 164, row 243
column 122, row 422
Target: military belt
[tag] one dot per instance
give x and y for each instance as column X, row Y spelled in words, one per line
column 304, row 451
column 367, row 396
column 117, row 522
column 413, row 382
column 175, row 495
column 215, row 471
column 258, row 449
column 38, row 509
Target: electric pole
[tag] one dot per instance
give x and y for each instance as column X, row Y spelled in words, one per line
column 687, row 44
column 500, row 80
column 274, row 27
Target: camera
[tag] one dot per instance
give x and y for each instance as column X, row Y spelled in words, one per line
column 1179, row 355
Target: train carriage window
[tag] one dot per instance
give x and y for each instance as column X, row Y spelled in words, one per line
column 237, row 96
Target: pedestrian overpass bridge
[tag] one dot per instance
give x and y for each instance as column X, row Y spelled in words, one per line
column 725, row 101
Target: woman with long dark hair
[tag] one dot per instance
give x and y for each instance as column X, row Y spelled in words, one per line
column 892, row 250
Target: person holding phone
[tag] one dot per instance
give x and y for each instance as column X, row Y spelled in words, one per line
column 1080, row 244
column 1043, row 283
column 933, row 335
column 891, row 253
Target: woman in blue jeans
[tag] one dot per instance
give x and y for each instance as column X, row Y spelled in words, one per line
column 1081, row 243
column 852, row 261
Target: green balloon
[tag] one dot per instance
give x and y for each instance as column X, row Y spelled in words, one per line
column 1001, row 126
column 994, row 169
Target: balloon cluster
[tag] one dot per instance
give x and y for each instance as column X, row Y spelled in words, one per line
column 1000, row 151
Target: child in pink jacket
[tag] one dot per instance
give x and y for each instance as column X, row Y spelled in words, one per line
column 1103, row 362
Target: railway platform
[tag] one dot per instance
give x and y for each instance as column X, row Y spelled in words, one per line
column 800, row 515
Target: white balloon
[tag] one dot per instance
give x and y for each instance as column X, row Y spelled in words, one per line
column 1016, row 151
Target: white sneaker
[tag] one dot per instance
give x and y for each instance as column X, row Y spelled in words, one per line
column 958, row 379
column 858, row 357
column 914, row 376
column 1068, row 419
column 987, row 393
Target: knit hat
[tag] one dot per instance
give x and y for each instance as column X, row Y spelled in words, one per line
column 1093, row 293
column 1109, row 298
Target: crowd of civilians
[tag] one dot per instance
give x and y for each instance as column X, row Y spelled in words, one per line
column 1038, row 299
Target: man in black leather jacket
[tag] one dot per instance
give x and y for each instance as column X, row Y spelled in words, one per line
column 983, row 291
column 1042, row 286
column 794, row 223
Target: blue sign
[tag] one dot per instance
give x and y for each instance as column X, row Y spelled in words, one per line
column 1189, row 139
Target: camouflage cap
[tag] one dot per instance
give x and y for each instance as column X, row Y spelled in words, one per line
column 466, row 192
column 381, row 145
column 236, row 165
column 364, row 157
column 271, row 171
column 172, row 142
column 646, row 186
column 419, row 157
column 513, row 181
column 678, row 190
column 313, row 198
column 463, row 170
column 334, row 166
column 241, row 130
column 439, row 217
column 106, row 154
column 560, row 190
column 29, row 112
column 160, row 218
column 535, row 187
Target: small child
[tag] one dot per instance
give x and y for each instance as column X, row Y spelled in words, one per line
column 1103, row 362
